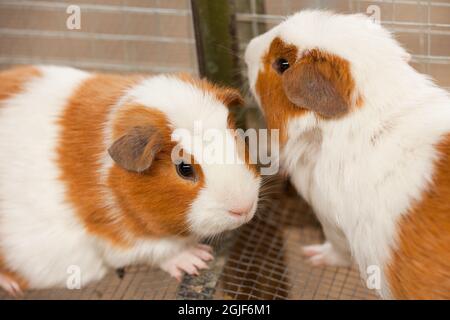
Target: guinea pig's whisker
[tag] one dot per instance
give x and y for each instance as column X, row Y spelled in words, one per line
column 230, row 51
column 269, row 186
column 262, row 215
column 270, row 190
column 213, row 239
column 245, row 89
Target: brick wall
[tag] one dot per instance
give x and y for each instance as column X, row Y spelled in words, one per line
column 157, row 35
column 115, row 35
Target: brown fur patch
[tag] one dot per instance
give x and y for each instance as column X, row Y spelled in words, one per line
column 278, row 109
column 228, row 96
column 154, row 202
column 420, row 266
column 81, row 147
column 12, row 81
column 332, row 71
column 150, row 203
column 243, row 149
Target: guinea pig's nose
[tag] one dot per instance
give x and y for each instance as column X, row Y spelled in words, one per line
column 241, row 210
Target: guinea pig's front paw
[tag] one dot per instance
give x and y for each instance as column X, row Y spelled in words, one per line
column 326, row 255
column 190, row 261
column 10, row 285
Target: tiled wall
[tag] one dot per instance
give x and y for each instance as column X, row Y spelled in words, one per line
column 157, row 35
column 115, row 35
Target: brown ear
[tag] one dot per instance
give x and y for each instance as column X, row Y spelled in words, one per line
column 136, row 150
column 230, row 97
column 321, row 83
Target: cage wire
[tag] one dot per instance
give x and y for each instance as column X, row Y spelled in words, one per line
column 262, row 260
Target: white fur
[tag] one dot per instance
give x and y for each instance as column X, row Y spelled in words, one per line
column 360, row 173
column 41, row 236
column 227, row 185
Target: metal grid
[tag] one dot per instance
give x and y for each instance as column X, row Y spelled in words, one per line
column 139, row 283
column 265, row 261
column 262, row 260
column 149, row 36
column 422, row 26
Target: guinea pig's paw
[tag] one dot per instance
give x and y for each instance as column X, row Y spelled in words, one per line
column 189, row 261
column 325, row 255
column 10, row 285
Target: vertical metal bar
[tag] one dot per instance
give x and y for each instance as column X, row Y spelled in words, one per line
column 428, row 34
column 247, row 31
column 350, row 5
column 256, row 7
column 254, row 22
column 215, row 38
column 215, row 35
column 422, row 38
column 287, row 7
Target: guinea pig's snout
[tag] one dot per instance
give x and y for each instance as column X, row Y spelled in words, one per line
column 242, row 210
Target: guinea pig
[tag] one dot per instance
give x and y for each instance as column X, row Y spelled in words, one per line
column 365, row 139
column 89, row 182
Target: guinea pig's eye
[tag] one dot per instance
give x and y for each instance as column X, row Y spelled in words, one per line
column 186, row 171
column 281, row 65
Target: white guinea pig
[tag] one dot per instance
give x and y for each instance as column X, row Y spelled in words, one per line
column 88, row 179
column 366, row 141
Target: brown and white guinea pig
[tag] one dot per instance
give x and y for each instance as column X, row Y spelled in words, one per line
column 366, row 141
column 88, row 179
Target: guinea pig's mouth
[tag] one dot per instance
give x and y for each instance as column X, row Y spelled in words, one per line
column 244, row 215
column 217, row 221
column 240, row 218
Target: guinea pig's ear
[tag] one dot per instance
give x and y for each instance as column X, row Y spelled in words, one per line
column 321, row 83
column 230, row 97
column 136, row 150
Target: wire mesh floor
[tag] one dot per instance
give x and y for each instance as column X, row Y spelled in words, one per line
column 265, row 261
column 262, row 260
